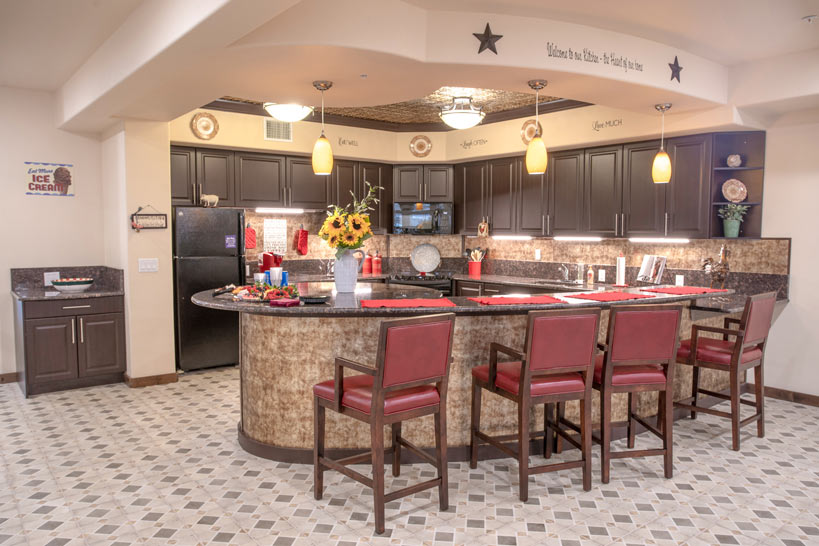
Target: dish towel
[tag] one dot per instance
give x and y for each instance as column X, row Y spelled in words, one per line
column 250, row 237
column 300, row 241
column 407, row 303
column 683, row 290
column 609, row 296
column 516, row 300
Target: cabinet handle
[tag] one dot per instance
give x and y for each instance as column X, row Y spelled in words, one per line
column 548, row 224
column 82, row 334
column 616, row 224
column 543, row 224
column 193, row 191
column 623, row 224
column 666, row 225
column 196, row 201
column 73, row 333
column 76, row 306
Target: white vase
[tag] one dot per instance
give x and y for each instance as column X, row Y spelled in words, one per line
column 346, row 271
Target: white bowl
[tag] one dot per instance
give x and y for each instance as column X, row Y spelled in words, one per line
column 72, row 286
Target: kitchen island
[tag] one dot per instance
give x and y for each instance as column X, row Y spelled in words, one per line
column 286, row 350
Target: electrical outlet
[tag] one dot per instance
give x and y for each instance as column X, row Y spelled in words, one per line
column 601, row 275
column 50, row 276
column 537, row 254
column 679, row 280
column 148, row 265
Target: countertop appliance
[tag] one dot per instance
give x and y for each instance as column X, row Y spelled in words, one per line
column 422, row 218
column 208, row 248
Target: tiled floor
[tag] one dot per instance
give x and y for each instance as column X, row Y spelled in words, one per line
column 161, row 465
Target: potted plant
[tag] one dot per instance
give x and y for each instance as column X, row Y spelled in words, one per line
column 732, row 216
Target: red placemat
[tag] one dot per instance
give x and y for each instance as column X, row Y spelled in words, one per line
column 516, row 300
column 440, row 302
column 683, row 290
column 609, row 296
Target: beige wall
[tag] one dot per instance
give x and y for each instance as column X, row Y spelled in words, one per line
column 791, row 195
column 43, row 231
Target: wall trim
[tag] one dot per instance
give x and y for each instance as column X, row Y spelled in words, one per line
column 12, row 377
column 792, row 396
column 151, row 380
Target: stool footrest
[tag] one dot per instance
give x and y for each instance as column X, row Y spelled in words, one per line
column 751, row 419
column 703, row 410
column 355, row 459
column 651, row 428
column 418, row 451
column 636, row 453
column 429, row 484
column 497, row 442
column 554, row 467
column 349, row 472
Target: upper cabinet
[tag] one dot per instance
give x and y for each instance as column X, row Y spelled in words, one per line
column 183, row 176
column 470, row 195
column 214, row 175
column 345, row 181
column 377, row 175
column 438, row 183
column 423, row 183
column 687, row 199
column 530, row 201
column 644, row 202
column 260, row 179
column 602, row 190
column 501, row 195
column 306, row 190
column 564, row 200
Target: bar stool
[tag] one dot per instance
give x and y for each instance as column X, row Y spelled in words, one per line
column 746, row 351
column 556, row 366
column 409, row 380
column 640, row 350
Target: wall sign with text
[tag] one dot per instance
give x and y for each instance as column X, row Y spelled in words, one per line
column 49, row 179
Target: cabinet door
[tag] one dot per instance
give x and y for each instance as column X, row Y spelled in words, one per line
column 378, row 174
column 502, row 182
column 183, row 176
column 101, row 344
column 470, row 192
column 531, row 201
column 51, row 349
column 214, row 174
column 259, row 180
column 687, row 195
column 471, row 289
column 643, row 200
column 408, row 182
column 438, row 183
column 305, row 189
column 602, row 190
column 565, row 192
column 345, row 183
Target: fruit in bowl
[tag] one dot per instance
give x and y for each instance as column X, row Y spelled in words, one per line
column 73, row 285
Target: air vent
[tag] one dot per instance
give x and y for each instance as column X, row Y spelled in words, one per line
column 281, row 131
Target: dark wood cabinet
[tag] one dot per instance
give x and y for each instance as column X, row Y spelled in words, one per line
column 438, row 183
column 469, row 196
column 602, row 191
column 501, row 195
column 565, row 175
column 214, row 175
column 305, row 189
column 183, row 176
column 644, row 202
column 687, row 195
column 408, row 183
column 51, row 349
column 531, row 201
column 101, row 345
column 345, row 183
column 378, row 175
column 468, row 288
column 260, row 179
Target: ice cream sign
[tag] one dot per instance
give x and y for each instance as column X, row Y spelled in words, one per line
column 49, row 179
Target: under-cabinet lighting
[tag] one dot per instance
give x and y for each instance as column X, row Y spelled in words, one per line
column 512, row 237
column 579, row 239
column 267, row 210
column 658, row 240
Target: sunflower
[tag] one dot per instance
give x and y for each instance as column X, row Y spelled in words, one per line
column 350, row 238
column 359, row 224
column 334, row 224
column 333, row 240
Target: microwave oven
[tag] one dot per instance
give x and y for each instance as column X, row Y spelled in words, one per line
column 422, row 218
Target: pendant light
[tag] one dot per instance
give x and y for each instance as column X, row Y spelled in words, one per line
column 661, row 168
column 536, row 156
column 322, row 151
column 461, row 114
column 287, row 112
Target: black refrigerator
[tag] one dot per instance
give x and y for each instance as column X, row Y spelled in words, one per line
column 208, row 245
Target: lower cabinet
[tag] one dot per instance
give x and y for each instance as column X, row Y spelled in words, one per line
column 477, row 288
column 66, row 344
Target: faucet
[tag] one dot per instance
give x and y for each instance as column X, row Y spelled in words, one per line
column 564, row 272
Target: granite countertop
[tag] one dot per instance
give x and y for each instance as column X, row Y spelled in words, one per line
column 318, row 277
column 43, row 294
column 27, row 283
column 549, row 284
column 345, row 305
column 733, row 303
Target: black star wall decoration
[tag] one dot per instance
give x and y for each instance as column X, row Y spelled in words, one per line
column 487, row 40
column 675, row 69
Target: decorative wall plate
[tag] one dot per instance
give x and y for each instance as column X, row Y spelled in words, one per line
column 425, row 258
column 420, row 146
column 734, row 190
column 204, row 126
column 734, row 160
column 528, row 130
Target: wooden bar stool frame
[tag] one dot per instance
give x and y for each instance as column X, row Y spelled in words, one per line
column 525, row 401
column 736, row 371
column 377, row 420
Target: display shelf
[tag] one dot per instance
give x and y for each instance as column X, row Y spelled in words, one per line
column 750, row 145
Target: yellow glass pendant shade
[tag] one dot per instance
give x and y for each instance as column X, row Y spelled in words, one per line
column 322, row 156
column 661, row 168
column 536, row 156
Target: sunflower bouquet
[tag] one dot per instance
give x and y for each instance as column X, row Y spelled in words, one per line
column 346, row 228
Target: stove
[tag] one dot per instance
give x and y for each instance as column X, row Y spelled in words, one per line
column 437, row 280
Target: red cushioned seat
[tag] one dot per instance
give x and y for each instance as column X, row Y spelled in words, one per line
column 630, row 375
column 358, row 394
column 717, row 351
column 508, row 379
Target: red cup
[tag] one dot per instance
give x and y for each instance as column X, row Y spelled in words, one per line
column 475, row 270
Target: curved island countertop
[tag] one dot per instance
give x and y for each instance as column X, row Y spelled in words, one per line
column 284, row 351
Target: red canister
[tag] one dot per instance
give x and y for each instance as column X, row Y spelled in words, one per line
column 367, row 268
column 475, row 270
column 377, row 264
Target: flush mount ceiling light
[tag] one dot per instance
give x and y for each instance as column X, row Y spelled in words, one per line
column 461, row 114
column 661, row 168
column 536, row 156
column 287, row 112
column 322, row 151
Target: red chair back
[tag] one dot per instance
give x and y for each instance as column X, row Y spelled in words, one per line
column 416, row 349
column 757, row 317
column 644, row 332
column 562, row 339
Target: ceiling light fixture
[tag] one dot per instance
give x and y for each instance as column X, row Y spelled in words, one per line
column 287, row 112
column 579, row 239
column 536, row 157
column 658, row 240
column 661, row 168
column 322, row 151
column 461, row 114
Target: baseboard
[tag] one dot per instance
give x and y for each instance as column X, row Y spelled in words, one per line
column 792, row 396
column 9, row 377
column 151, row 380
